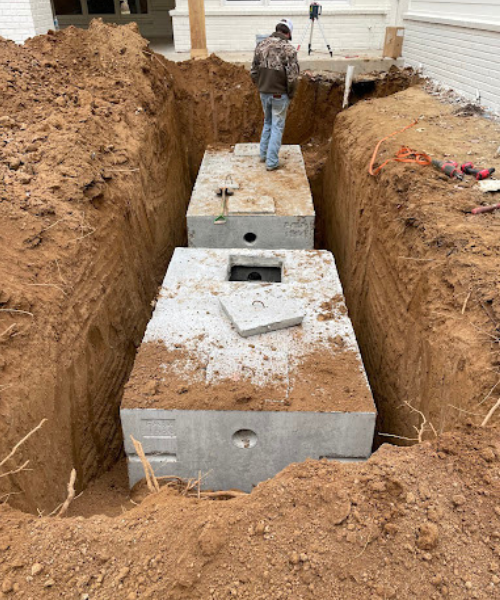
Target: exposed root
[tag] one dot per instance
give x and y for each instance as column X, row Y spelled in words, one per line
column 490, row 413
column 151, row 481
column 5, row 498
column 23, row 467
column 8, row 330
column 71, row 494
column 50, row 226
column 20, row 443
column 191, row 488
column 60, row 273
column 464, row 306
column 53, row 285
column 489, row 393
column 18, row 311
column 424, row 426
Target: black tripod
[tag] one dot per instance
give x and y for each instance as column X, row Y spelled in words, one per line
column 315, row 11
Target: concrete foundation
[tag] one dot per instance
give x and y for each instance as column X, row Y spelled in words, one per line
column 202, row 397
column 364, row 62
column 267, row 210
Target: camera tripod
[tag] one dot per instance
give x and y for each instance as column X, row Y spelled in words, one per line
column 315, row 11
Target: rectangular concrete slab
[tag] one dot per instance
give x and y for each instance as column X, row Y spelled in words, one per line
column 244, row 205
column 267, row 210
column 263, row 310
column 198, row 388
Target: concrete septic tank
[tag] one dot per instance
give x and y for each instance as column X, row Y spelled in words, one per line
column 268, row 210
column 203, row 397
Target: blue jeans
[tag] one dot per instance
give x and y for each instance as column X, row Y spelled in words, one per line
column 274, row 124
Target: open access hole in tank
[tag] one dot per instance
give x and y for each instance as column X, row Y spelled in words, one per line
column 255, row 273
column 255, row 269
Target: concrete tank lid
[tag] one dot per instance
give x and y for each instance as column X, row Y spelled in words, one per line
column 192, row 358
column 286, row 190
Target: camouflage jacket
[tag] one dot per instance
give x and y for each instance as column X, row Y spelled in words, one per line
column 275, row 68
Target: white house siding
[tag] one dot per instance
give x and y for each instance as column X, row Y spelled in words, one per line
column 487, row 11
column 23, row 19
column 458, row 45
column 231, row 25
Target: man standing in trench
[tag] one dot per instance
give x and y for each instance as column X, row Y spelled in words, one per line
column 275, row 71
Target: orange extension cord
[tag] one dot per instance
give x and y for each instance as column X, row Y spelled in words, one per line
column 404, row 154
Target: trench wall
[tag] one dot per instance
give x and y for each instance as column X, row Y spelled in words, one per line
column 77, row 383
column 406, row 277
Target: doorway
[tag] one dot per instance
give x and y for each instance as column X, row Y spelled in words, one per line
column 151, row 16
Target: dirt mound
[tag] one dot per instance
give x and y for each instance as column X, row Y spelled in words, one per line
column 410, row 523
column 82, row 174
column 420, row 273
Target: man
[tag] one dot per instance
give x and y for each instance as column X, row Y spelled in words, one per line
column 275, row 70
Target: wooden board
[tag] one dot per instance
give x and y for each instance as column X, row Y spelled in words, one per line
column 393, row 45
column 197, row 28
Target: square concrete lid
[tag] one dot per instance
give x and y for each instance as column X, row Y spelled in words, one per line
column 262, row 308
column 251, row 205
column 247, row 150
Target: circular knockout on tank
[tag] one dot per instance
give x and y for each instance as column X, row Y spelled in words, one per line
column 244, row 438
column 250, row 238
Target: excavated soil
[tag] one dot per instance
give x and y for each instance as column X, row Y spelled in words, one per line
column 414, row 523
column 100, row 143
column 420, row 273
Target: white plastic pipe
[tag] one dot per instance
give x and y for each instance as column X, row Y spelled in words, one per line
column 348, row 84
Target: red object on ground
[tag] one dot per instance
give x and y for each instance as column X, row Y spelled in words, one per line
column 480, row 174
column 485, row 209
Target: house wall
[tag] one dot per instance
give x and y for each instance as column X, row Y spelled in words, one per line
column 458, row 45
column 231, row 25
column 478, row 10
column 23, row 19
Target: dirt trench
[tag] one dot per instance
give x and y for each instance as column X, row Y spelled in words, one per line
column 109, row 138
column 419, row 271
